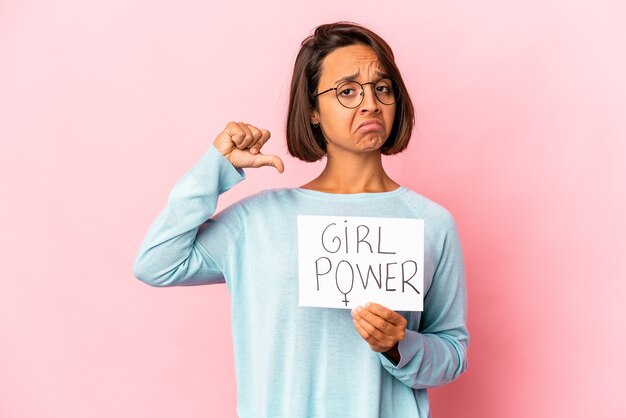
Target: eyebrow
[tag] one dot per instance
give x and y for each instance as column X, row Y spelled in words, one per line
column 355, row 75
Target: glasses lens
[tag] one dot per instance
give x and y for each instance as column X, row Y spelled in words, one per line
column 349, row 94
column 385, row 91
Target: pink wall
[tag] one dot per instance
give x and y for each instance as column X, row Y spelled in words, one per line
column 104, row 105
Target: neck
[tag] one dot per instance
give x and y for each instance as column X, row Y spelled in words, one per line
column 353, row 173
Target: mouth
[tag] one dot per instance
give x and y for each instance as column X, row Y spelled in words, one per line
column 370, row 125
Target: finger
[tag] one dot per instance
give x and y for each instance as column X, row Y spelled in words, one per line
column 269, row 160
column 389, row 332
column 381, row 324
column 248, row 138
column 373, row 342
column 256, row 133
column 265, row 136
column 385, row 314
column 236, row 133
column 372, row 331
column 373, row 338
column 224, row 141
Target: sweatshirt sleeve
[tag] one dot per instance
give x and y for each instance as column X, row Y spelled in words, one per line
column 437, row 353
column 174, row 250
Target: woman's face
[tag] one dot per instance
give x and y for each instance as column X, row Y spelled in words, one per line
column 343, row 127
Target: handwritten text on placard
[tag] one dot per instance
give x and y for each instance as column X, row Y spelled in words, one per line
column 346, row 261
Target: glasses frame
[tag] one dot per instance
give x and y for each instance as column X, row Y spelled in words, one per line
column 396, row 92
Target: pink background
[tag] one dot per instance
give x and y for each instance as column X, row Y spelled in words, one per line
column 105, row 105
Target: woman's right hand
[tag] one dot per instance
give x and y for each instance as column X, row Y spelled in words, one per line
column 241, row 144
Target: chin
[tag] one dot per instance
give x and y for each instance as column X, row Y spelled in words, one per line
column 371, row 143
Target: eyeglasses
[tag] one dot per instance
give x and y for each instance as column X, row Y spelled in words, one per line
column 350, row 93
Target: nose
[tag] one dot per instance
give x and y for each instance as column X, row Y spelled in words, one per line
column 370, row 103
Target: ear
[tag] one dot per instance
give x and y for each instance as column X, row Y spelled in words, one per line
column 315, row 117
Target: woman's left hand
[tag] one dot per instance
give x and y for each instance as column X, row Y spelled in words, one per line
column 382, row 328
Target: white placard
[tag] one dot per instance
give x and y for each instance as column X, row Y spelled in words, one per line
column 347, row 261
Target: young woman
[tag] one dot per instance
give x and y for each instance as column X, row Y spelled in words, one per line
column 348, row 103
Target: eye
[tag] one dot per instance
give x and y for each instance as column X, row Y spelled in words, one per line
column 348, row 89
column 347, row 92
column 384, row 86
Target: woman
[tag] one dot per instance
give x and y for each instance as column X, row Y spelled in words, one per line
column 348, row 103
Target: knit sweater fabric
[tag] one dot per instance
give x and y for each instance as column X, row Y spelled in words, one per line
column 306, row 362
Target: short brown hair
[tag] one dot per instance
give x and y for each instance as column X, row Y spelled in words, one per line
column 304, row 141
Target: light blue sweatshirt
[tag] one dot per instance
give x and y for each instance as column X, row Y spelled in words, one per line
column 293, row 361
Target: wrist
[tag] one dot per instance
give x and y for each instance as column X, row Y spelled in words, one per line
column 393, row 354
